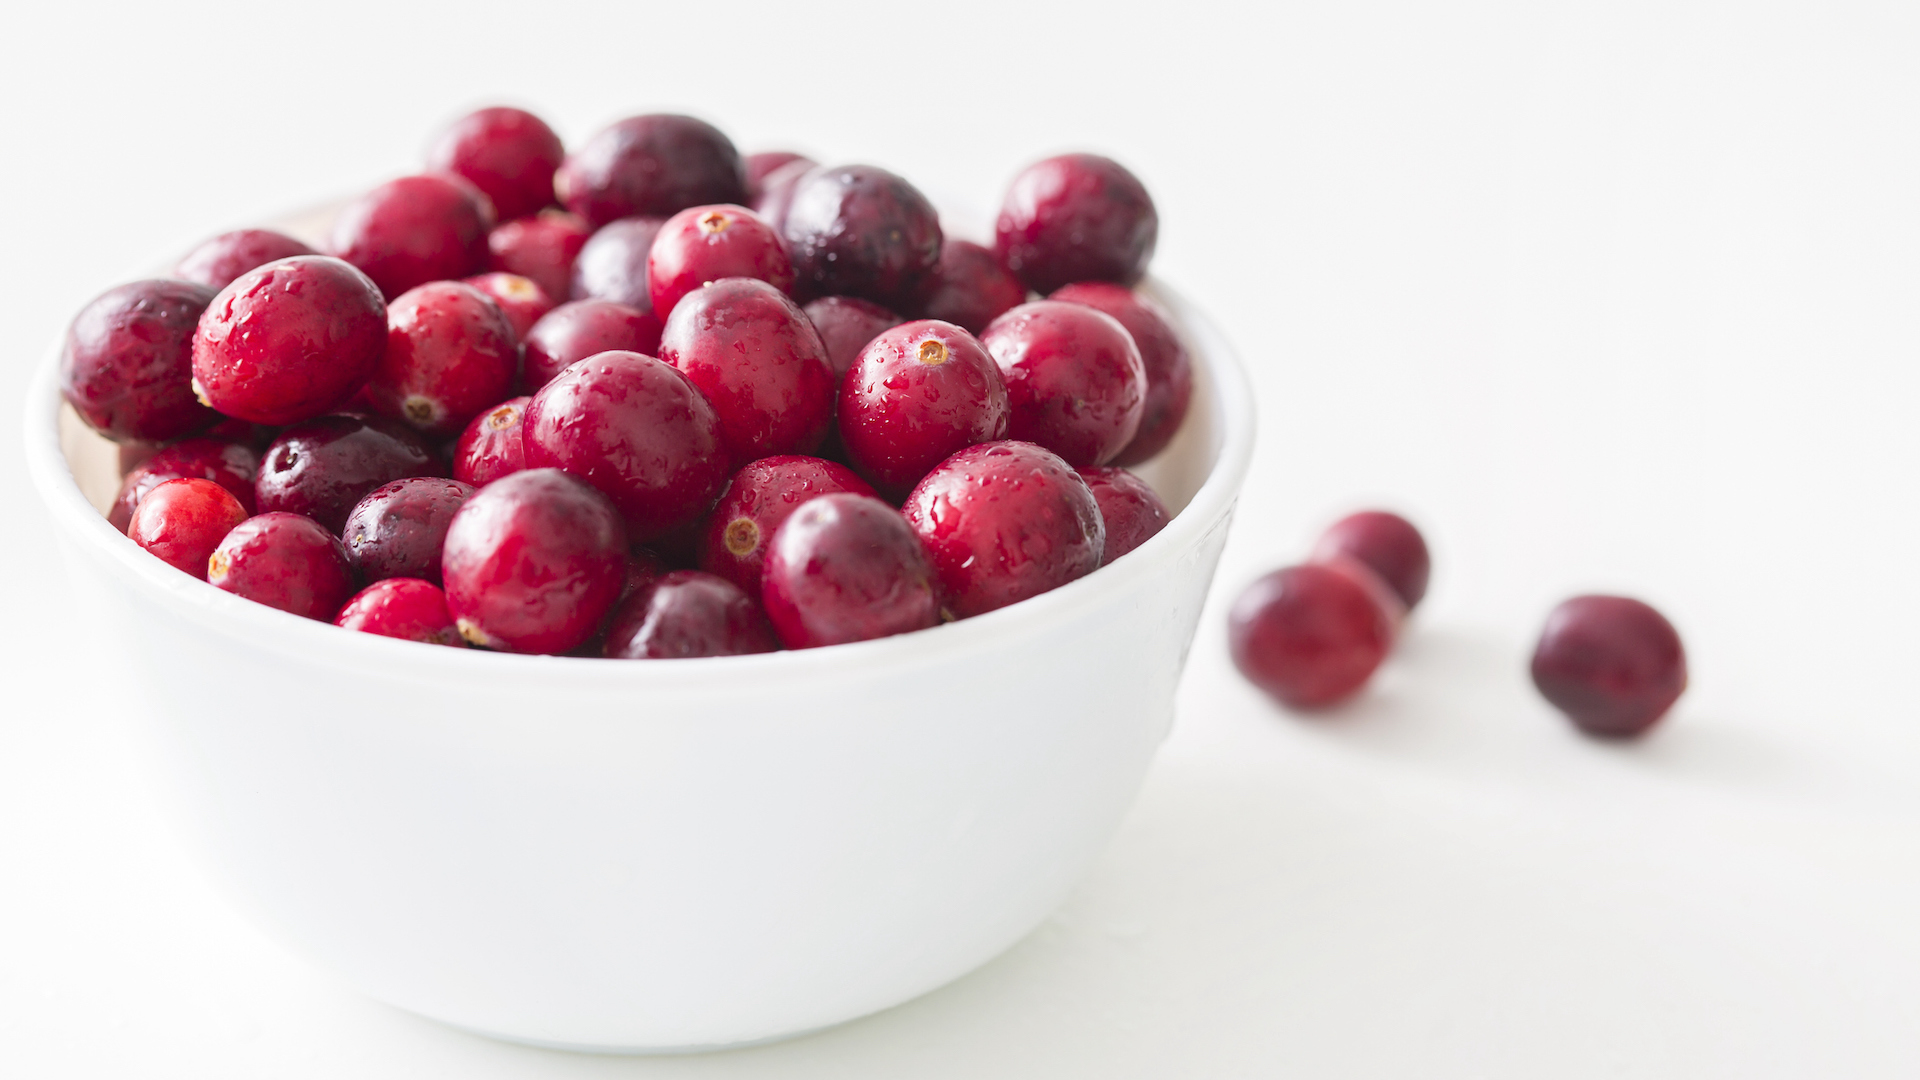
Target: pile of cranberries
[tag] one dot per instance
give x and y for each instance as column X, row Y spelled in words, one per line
column 646, row 399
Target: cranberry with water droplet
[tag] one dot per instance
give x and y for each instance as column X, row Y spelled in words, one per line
column 847, row 568
column 761, row 495
column 1612, row 664
column 1075, row 383
column 687, row 614
column 323, row 467
column 1169, row 368
column 284, row 561
column 218, row 261
column 509, row 154
column 918, row 394
column 289, row 340
column 542, row 249
column 572, row 332
column 861, row 231
column 846, row 325
column 1385, row 543
column 450, row 354
column 402, row 607
column 398, row 528
column 652, row 165
column 231, row 465
column 973, row 288
column 521, row 300
column 1309, row 636
column 183, row 520
column 413, row 230
column 1077, row 217
column 491, row 447
column 127, row 362
column 707, row 243
column 1132, row 511
column 755, row 356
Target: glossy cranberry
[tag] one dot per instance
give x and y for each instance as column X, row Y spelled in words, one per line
column 733, row 543
column 755, row 356
column 397, row 529
column 402, row 607
column 706, row 243
column 289, row 340
column 638, row 430
column 652, row 165
column 1004, row 521
column 572, row 332
column 491, row 446
column 521, row 300
column 760, row 165
column 183, row 520
column 323, row 467
column 1132, row 511
column 541, row 249
column 1614, row 665
column 413, row 230
column 1077, row 217
column 861, row 231
column 533, row 562
column 1308, row 635
column 613, row 264
column 509, row 154
column 218, row 261
column 687, row 614
column 846, row 324
column 450, row 356
column 1074, row 379
column 776, row 192
column 847, row 568
column 231, row 465
column 918, row 394
column 973, row 288
column 1385, row 543
column 127, row 364
column 1169, row 369
column 284, row 561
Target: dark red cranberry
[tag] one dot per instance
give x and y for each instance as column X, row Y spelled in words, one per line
column 918, row 394
column 1077, row 217
column 284, row 561
column 776, row 192
column 707, row 243
column 1611, row 663
column 402, row 607
column 289, row 340
column 1004, row 521
column 687, row 614
column 759, row 165
column 1385, row 543
column 413, row 230
column 533, row 563
column 572, row 332
column 183, row 520
column 450, row 356
column 397, row 529
column 1169, row 369
column 638, row 430
column 652, row 165
column 218, row 261
column 521, row 300
column 1308, row 635
column 973, row 289
column 613, row 264
column 541, row 249
column 509, row 154
column 761, row 495
column 255, row 435
column 847, row 568
column 491, row 446
column 861, row 231
column 755, row 356
column 846, row 324
column 323, row 467
column 231, row 465
column 1074, row 379
column 127, row 364
column 1133, row 513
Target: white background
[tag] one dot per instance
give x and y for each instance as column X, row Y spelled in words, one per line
column 1617, row 296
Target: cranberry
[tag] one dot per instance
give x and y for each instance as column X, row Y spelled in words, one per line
column 413, row 230
column 1075, row 382
column 1077, row 217
column 284, row 561
column 541, row 249
column 707, row 243
column 638, row 430
column 323, row 467
column 573, row 332
column 1308, row 635
column 183, row 520
column 1169, row 369
column 231, row 465
column 847, row 568
column 491, row 446
column 1004, row 521
column 450, row 355
column 402, row 607
column 760, row 165
column 521, row 300
column 846, row 324
column 643, row 569
column 1133, row 513
column 509, row 154
column 653, row 165
column 755, row 356
column 862, row 231
column 687, row 614
column 397, row 529
column 761, row 495
column 289, row 340
column 218, row 261
column 1385, row 543
column 776, row 192
column 916, row 395
column 613, row 265
column 533, row 562
column 973, row 289
column 1614, row 665
column 127, row 365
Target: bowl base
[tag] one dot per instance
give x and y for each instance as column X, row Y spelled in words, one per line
column 639, row 1051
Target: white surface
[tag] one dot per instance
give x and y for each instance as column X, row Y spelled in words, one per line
column 1620, row 297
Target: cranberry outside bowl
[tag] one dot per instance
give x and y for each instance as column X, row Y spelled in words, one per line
column 663, row 855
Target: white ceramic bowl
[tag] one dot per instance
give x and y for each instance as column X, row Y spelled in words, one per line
column 661, row 855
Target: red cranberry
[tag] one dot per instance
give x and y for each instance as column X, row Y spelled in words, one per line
column 1074, row 379
column 231, row 465
column 323, row 467
column 1133, row 513
column 1308, row 635
column 847, row 568
column 613, row 264
column 638, row 430
column 402, row 607
column 687, row 614
column 1169, row 369
column 284, row 561
column 918, row 394
column 862, row 231
column 413, row 230
column 541, row 249
column 776, row 192
column 218, row 261
column 289, row 340
column 450, row 355
column 973, row 289
column 755, row 356
column 1613, row 664
column 846, row 324
column 397, row 529
column 521, row 300
column 760, row 165
column 127, row 366
column 1385, row 543
column 509, row 154
column 733, row 543
column 707, row 243
column 652, row 165
column 491, row 446
column 533, row 562
column 572, row 332
column 183, row 520
column 1004, row 521
column 1077, row 217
